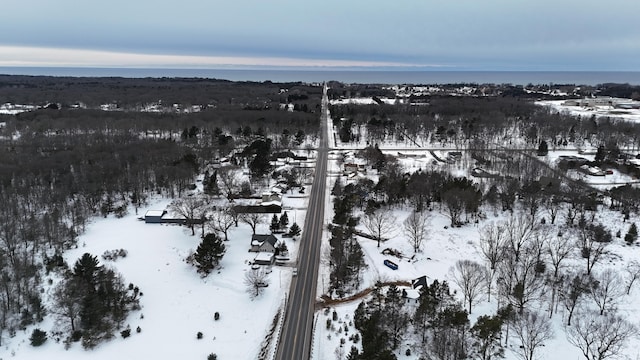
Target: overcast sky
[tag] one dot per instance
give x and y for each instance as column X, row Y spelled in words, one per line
column 439, row 34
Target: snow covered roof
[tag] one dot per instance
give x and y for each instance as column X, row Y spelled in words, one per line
column 412, row 293
column 158, row 213
column 260, row 238
column 264, row 256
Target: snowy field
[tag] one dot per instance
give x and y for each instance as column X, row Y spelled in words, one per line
column 632, row 115
column 177, row 303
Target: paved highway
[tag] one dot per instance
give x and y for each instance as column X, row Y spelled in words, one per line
column 296, row 336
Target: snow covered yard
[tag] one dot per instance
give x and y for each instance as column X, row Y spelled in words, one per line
column 176, row 302
column 443, row 248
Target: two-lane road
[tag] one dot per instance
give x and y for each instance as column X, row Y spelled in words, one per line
column 296, row 336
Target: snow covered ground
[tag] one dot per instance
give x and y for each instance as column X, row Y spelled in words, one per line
column 632, row 115
column 177, row 303
column 445, row 246
column 442, row 249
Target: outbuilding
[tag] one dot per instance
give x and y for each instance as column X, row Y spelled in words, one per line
column 154, row 216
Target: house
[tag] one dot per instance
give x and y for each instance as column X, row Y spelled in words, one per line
column 264, row 258
column 350, row 168
column 269, row 196
column 154, row 216
column 263, row 243
column 411, row 296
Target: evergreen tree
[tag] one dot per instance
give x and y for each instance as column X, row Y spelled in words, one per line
column 353, row 353
column 282, row 248
column 543, row 148
column 294, row 230
column 275, row 223
column 87, row 269
column 601, row 154
column 211, row 186
column 38, row 337
column 209, row 253
column 632, row 235
column 284, row 220
column 486, row 338
column 103, row 303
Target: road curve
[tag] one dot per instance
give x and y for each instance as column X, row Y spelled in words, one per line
column 297, row 332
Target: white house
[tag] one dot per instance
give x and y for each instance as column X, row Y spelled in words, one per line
column 411, row 296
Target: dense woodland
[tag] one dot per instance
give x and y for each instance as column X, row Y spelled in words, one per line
column 60, row 166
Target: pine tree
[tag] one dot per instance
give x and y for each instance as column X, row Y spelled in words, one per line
column 209, row 253
column 275, row 223
column 294, row 230
column 543, row 148
column 632, row 235
column 284, row 220
column 282, row 248
column 211, row 187
column 601, row 154
column 353, row 353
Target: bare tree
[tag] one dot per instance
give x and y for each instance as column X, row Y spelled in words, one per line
column 572, row 290
column 633, row 273
column 222, row 220
column 558, row 249
column 252, row 219
column 256, row 280
column 518, row 281
column 590, row 249
column 520, row 229
column 533, row 330
column 606, row 289
column 492, row 246
column 415, row 228
column 553, row 208
column 230, row 181
column 600, row 337
column 470, row 277
column 67, row 298
column 192, row 208
column 380, row 224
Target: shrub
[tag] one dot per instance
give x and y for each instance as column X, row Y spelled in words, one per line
column 38, row 337
column 632, row 235
column 76, row 336
column 138, row 329
column 125, row 333
column 199, row 335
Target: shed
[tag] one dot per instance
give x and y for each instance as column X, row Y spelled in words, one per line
column 154, row 216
